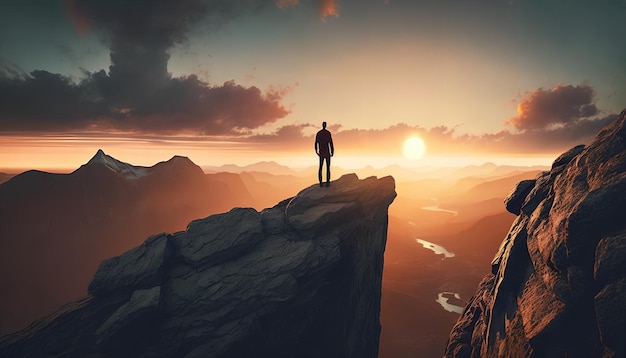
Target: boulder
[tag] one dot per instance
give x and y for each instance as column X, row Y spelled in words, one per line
column 513, row 202
column 219, row 237
column 140, row 267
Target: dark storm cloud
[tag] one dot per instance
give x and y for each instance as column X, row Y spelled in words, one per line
column 137, row 93
column 561, row 105
column 42, row 101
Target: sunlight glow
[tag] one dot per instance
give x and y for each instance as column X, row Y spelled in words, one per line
column 414, row 148
column 65, row 153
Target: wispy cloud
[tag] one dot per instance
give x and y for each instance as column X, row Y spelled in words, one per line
column 439, row 140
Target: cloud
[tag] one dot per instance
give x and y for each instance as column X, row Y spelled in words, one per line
column 549, row 122
column 284, row 138
column 80, row 21
column 137, row 93
column 325, row 8
column 283, row 4
column 547, row 141
column 440, row 140
column 561, row 105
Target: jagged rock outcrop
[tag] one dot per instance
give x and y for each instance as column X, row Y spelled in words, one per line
column 558, row 282
column 301, row 279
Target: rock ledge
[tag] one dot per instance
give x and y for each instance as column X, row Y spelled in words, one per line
column 300, row 279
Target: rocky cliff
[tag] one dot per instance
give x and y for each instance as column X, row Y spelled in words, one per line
column 301, row 279
column 558, row 282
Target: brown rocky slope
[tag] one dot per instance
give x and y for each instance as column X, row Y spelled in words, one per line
column 558, row 282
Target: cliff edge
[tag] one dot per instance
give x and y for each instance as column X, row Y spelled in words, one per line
column 558, row 282
column 300, row 279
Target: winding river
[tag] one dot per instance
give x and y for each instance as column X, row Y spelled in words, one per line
column 443, row 301
column 437, row 249
column 437, row 208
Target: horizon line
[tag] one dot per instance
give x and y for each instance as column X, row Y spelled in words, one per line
column 342, row 163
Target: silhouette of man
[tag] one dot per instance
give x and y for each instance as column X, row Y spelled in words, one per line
column 324, row 149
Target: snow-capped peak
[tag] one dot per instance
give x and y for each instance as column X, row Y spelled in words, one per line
column 126, row 170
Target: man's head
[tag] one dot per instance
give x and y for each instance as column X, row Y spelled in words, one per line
column 324, row 125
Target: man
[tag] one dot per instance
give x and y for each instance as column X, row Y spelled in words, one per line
column 324, row 149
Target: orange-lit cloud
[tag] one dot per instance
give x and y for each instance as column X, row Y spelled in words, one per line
column 299, row 138
column 561, row 105
column 80, row 21
column 352, row 147
column 439, row 140
column 328, row 8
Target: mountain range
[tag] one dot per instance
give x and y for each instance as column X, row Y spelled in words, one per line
column 56, row 228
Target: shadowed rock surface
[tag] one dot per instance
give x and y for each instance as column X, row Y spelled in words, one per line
column 301, row 279
column 558, row 282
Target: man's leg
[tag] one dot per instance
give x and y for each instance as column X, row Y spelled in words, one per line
column 328, row 171
column 319, row 172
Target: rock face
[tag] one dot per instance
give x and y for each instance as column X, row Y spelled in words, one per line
column 301, row 279
column 558, row 282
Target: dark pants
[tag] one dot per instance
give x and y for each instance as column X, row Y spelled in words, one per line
column 319, row 172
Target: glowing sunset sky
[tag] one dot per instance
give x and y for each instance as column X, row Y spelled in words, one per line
column 244, row 81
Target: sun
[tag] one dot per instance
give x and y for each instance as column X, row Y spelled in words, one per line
column 414, row 148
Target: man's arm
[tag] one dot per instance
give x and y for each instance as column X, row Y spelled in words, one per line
column 332, row 147
column 315, row 145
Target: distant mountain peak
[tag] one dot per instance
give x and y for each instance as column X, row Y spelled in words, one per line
column 179, row 164
column 99, row 153
column 180, row 159
column 128, row 171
